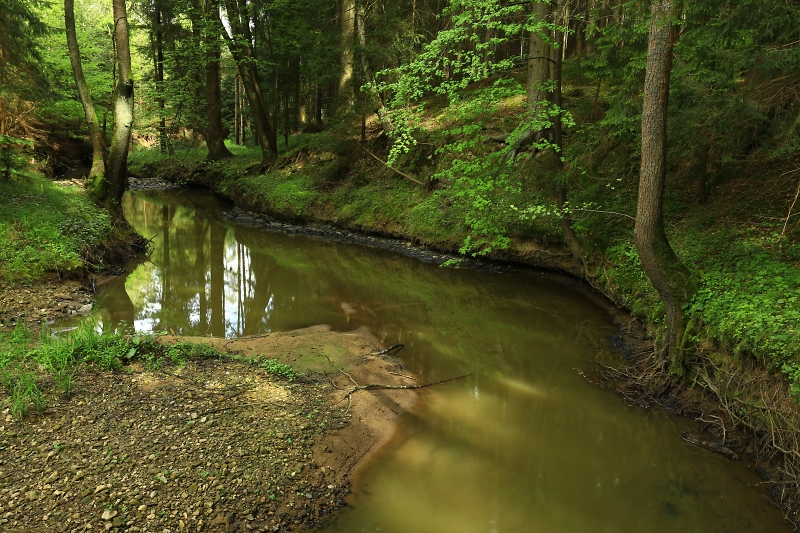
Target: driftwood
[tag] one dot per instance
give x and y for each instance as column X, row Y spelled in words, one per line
column 378, row 386
column 709, row 445
column 389, row 349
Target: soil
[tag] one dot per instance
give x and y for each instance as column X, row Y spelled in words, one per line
column 49, row 301
column 214, row 445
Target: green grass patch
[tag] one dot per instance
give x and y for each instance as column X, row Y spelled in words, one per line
column 31, row 368
column 45, row 227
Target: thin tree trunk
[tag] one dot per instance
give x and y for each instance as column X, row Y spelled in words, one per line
column 236, row 109
column 669, row 276
column 117, row 168
column 347, row 20
column 95, row 184
column 369, row 76
column 162, row 122
column 215, row 140
column 239, row 44
column 286, row 103
column 318, row 106
column 702, row 174
column 568, row 233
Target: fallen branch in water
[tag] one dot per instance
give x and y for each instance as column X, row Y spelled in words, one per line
column 709, row 445
column 389, row 349
column 378, row 386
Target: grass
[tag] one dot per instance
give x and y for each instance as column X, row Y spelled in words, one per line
column 30, row 368
column 45, row 227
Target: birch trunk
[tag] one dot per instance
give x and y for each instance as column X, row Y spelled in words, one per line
column 117, row 168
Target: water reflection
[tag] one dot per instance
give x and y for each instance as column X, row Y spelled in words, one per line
column 523, row 444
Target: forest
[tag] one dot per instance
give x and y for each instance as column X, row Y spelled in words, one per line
column 649, row 149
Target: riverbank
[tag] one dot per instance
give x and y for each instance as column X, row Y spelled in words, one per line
column 205, row 435
column 56, row 248
column 744, row 325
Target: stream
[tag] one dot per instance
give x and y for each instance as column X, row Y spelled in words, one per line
column 525, row 443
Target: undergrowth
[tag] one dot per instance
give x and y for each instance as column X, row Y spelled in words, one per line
column 46, row 227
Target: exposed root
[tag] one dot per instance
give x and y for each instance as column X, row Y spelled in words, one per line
column 750, row 401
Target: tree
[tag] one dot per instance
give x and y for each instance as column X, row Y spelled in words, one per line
column 240, row 44
column 567, row 231
column 673, row 282
column 215, row 140
column 117, row 168
column 348, row 18
column 96, row 183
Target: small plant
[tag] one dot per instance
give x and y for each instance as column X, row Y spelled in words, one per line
column 58, row 357
column 24, row 392
column 276, row 368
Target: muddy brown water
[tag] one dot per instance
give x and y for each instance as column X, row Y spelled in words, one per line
column 525, row 443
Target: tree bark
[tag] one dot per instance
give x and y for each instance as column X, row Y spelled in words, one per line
column 567, row 232
column 240, row 46
column 96, row 185
column 537, row 82
column 159, row 44
column 669, row 276
column 215, row 139
column 117, row 168
column 347, row 14
column 373, row 99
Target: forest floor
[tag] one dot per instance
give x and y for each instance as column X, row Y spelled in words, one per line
column 210, row 444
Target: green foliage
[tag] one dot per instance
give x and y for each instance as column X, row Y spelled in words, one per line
column 46, row 227
column 20, row 26
column 179, row 352
column 23, row 390
column 276, row 368
column 752, row 306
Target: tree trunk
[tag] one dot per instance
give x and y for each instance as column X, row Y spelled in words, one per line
column 236, row 109
column 239, row 44
column 215, row 138
column 95, row 184
column 536, row 85
column 568, row 233
column 286, row 103
column 162, row 121
column 318, row 106
column 669, row 276
column 117, row 168
column 346, row 88
column 373, row 99
column 702, row 174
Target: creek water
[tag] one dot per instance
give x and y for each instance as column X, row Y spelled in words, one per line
column 525, row 443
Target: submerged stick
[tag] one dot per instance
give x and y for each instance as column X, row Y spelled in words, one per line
column 709, row 445
column 389, row 349
column 378, row 386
